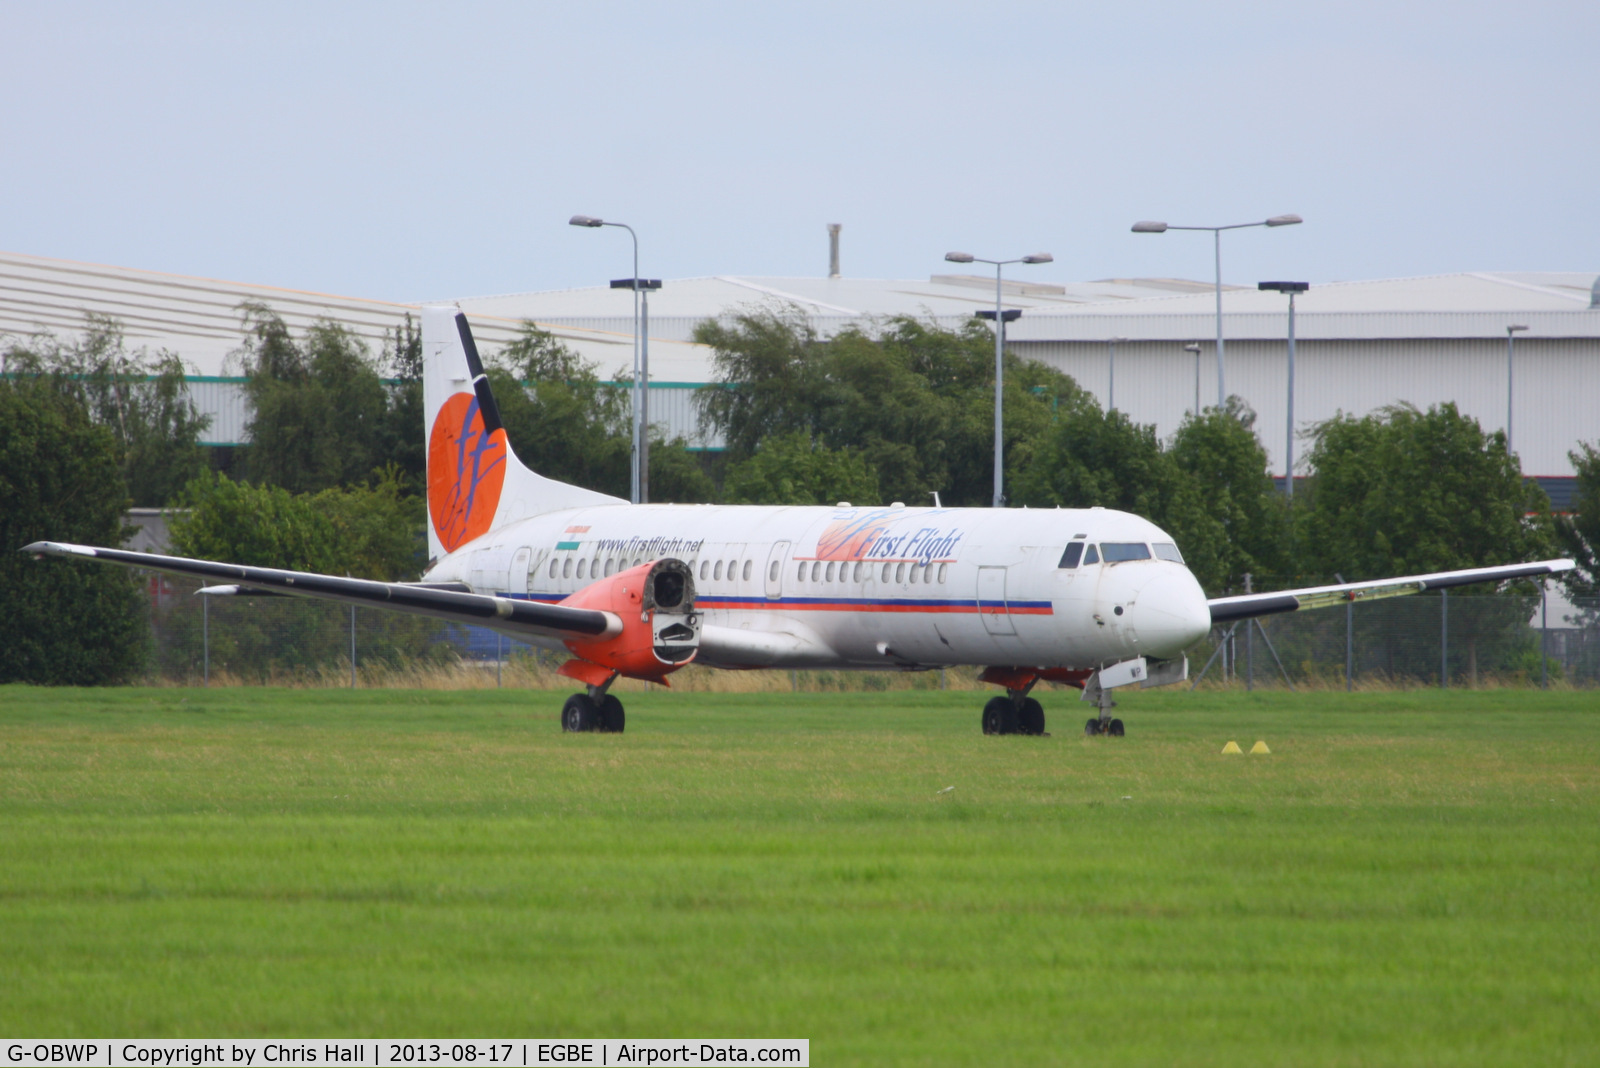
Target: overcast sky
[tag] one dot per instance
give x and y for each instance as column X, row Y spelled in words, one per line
column 417, row 151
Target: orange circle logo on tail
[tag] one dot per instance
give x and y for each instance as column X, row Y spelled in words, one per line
column 466, row 469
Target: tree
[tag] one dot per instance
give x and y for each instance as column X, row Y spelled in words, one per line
column 561, row 420
column 1091, row 458
column 363, row 531
column 65, row 622
column 1400, row 491
column 789, row 469
column 1579, row 531
column 318, row 407
column 372, row 532
column 914, row 401
column 141, row 398
column 402, row 439
column 1221, row 456
column 677, row 475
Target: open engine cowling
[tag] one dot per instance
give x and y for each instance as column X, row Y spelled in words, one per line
column 660, row 627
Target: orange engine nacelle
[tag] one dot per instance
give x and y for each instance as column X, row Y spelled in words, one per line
column 660, row 628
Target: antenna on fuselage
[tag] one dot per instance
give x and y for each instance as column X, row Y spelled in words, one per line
column 935, row 495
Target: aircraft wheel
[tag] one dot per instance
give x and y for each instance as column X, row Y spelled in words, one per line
column 579, row 714
column 612, row 718
column 1000, row 716
column 1030, row 716
column 1116, row 728
column 1092, row 727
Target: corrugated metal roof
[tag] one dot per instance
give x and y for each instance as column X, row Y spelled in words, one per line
column 1469, row 304
column 200, row 319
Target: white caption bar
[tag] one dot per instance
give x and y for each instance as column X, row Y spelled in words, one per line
column 387, row 1052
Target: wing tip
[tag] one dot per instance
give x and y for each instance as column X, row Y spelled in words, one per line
column 41, row 549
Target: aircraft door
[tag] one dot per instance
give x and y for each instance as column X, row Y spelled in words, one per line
column 992, row 601
column 777, row 560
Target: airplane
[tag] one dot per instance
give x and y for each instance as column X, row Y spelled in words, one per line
column 1093, row 598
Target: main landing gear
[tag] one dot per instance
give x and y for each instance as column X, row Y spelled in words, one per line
column 596, row 710
column 1016, row 713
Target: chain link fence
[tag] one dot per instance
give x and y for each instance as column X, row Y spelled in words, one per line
column 1438, row 639
column 1427, row 640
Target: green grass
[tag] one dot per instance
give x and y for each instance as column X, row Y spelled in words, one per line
column 1407, row 878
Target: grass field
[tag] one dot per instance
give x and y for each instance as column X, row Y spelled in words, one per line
column 1407, row 878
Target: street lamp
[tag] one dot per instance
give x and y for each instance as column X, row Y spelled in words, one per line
column 1111, row 364
column 1511, row 351
column 999, row 354
column 1216, row 233
column 1290, row 288
column 639, row 476
column 1194, row 347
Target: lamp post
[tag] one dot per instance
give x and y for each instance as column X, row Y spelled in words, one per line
column 1194, row 347
column 640, row 474
column 1111, row 369
column 1511, row 351
column 999, row 355
column 1216, row 233
column 1290, row 288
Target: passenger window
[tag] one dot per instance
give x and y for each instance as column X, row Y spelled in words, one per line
column 553, row 565
column 772, row 572
column 583, row 566
column 943, row 571
column 705, row 569
column 828, row 576
column 611, row 565
column 857, row 576
column 800, row 576
column 1092, row 556
column 1165, row 550
column 816, row 571
column 1117, row 552
column 886, row 568
column 747, row 570
column 717, row 574
column 913, row 573
column 899, row 573
column 1072, row 556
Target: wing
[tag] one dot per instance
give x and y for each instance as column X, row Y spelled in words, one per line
column 1250, row 605
column 454, row 604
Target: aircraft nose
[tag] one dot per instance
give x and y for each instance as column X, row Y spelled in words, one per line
column 1171, row 613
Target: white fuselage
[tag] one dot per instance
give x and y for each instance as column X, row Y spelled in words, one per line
column 855, row 587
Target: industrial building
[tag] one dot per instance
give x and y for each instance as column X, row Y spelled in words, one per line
column 1360, row 345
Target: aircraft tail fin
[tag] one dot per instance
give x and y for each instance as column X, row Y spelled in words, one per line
column 475, row 481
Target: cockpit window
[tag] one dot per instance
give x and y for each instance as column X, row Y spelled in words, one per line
column 1092, row 556
column 1073, row 554
column 1118, row 551
column 1165, row 550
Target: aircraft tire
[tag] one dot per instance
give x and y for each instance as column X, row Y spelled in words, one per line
column 1030, row 716
column 612, row 718
column 1092, row 727
column 1115, row 728
column 1000, row 716
column 579, row 714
